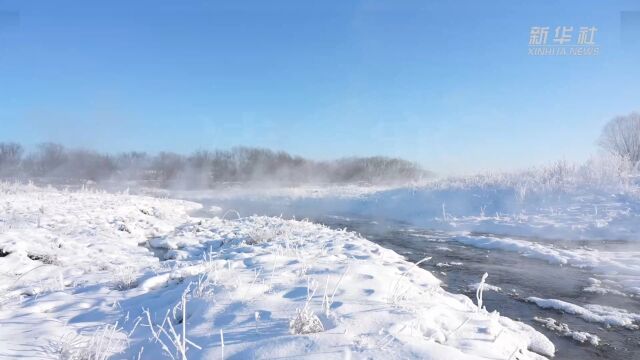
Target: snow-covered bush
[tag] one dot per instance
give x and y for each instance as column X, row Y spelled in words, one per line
column 608, row 170
column 101, row 345
column 261, row 235
column 305, row 322
column 605, row 171
column 125, row 278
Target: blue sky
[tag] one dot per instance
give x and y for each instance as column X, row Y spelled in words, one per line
column 446, row 83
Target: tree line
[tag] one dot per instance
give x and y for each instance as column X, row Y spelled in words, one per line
column 201, row 169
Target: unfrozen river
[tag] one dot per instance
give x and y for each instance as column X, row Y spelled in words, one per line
column 518, row 277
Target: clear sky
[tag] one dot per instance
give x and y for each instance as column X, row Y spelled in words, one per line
column 449, row 84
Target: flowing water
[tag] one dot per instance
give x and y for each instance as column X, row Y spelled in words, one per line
column 517, row 276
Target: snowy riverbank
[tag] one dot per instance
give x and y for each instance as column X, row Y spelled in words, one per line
column 110, row 273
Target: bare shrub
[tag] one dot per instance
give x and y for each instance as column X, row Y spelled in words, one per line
column 88, row 165
column 174, row 343
column 10, row 157
column 46, row 159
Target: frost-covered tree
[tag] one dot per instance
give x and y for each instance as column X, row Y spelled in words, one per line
column 621, row 137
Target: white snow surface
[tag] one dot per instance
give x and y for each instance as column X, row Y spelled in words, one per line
column 79, row 269
column 564, row 330
column 606, row 315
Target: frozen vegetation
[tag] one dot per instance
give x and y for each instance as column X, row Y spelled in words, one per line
column 89, row 275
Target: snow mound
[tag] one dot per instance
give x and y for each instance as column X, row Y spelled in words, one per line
column 564, row 330
column 607, row 315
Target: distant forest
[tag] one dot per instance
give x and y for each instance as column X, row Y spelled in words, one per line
column 201, row 169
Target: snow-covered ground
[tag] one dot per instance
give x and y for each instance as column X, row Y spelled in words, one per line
column 85, row 275
column 586, row 218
